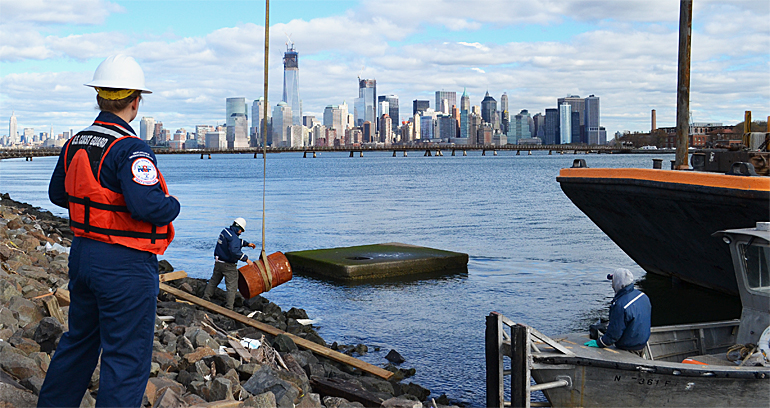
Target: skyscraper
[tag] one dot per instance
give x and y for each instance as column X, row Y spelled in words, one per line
column 465, row 107
column 238, row 133
column 577, row 104
column 333, row 119
column 282, row 118
column 233, row 106
column 291, row 83
column 505, row 117
column 520, row 127
column 451, row 100
column 551, row 126
column 257, row 122
column 419, row 106
column 488, row 109
column 12, row 130
column 146, row 127
column 392, row 109
column 365, row 107
column 539, row 126
column 592, row 119
column 565, row 124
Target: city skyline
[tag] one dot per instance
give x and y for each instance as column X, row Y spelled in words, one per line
column 624, row 52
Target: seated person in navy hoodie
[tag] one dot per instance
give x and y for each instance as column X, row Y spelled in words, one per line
column 630, row 311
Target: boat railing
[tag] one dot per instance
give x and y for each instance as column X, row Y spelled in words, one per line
column 519, row 347
column 675, row 343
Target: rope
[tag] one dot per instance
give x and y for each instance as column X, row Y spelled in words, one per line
column 263, row 256
column 741, row 352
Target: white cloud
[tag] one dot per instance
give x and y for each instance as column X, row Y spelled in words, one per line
column 86, row 12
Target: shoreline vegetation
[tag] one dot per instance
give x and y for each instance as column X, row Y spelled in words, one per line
column 200, row 358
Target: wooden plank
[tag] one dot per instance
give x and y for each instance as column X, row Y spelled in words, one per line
column 337, row 387
column 245, row 355
column 53, row 308
column 63, row 295
column 299, row 341
column 165, row 277
column 547, row 340
column 494, row 357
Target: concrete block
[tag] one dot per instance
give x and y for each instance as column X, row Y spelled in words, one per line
column 377, row 261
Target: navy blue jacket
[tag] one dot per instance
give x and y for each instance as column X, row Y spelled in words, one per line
column 229, row 246
column 630, row 314
column 145, row 203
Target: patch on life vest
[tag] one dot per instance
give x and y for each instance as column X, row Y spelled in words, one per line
column 144, row 172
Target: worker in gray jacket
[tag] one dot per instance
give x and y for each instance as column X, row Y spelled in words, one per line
column 227, row 253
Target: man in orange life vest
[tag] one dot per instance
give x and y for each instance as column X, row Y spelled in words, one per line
column 120, row 212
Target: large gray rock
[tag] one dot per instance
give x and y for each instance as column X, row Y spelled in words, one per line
column 27, row 310
column 221, row 389
column 394, row 357
column 11, row 396
column 47, row 333
column 284, row 344
column 19, row 366
column 184, row 345
column 32, row 272
column 222, row 362
column 265, row 379
column 266, row 400
column 8, row 290
column 397, row 402
column 337, row 402
column 200, row 338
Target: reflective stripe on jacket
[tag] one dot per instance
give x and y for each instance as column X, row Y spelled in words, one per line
column 630, row 320
column 99, row 213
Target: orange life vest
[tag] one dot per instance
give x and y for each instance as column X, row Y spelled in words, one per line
column 97, row 212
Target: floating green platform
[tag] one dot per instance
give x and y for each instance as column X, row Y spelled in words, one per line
column 378, row 261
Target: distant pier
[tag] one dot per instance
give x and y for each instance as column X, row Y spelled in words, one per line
column 358, row 151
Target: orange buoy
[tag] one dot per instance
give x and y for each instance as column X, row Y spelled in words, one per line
column 254, row 279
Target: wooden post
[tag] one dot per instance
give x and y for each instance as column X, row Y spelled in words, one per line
column 519, row 366
column 683, row 85
column 304, row 154
column 394, row 153
column 299, row 341
column 494, row 357
column 404, row 153
column 361, row 153
column 351, row 153
column 314, row 154
column 209, row 156
column 465, row 153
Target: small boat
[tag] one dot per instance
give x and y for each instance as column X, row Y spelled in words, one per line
column 663, row 219
column 685, row 365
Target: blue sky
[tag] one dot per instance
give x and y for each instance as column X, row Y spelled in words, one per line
column 197, row 53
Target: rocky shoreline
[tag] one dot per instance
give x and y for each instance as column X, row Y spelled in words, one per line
column 200, row 358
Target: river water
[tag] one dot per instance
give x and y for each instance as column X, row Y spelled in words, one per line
column 534, row 257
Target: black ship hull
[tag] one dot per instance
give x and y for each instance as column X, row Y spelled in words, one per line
column 664, row 220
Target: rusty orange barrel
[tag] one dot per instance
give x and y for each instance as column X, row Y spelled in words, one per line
column 253, row 280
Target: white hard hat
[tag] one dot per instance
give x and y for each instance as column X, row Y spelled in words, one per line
column 119, row 72
column 240, row 222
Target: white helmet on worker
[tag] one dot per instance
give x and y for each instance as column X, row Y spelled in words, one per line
column 119, row 72
column 240, row 222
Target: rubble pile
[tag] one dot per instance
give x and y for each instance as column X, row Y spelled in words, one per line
column 200, row 358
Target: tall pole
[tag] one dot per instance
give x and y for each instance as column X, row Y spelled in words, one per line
column 264, row 123
column 683, row 85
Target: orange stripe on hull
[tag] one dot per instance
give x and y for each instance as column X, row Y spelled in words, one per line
column 704, row 179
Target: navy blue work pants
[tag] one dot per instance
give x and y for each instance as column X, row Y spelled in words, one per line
column 113, row 295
